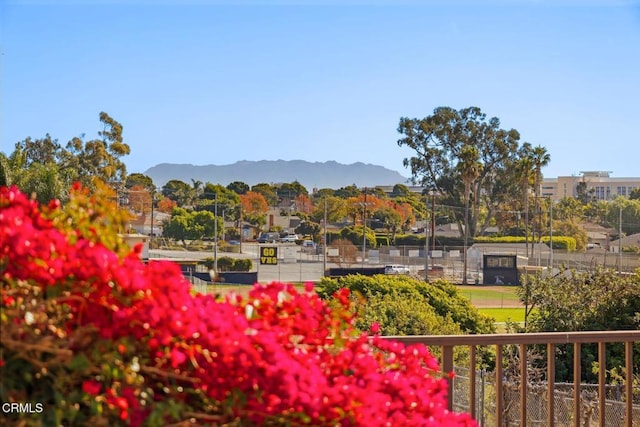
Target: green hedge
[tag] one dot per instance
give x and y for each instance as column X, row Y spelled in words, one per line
column 418, row 240
column 226, row 263
column 242, row 264
column 441, row 295
column 559, row 242
column 382, row 240
column 354, row 235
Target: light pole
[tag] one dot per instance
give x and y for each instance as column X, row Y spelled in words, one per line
column 324, row 240
column 426, row 237
column 551, row 233
column 240, row 229
column 620, row 241
column 364, row 227
column 466, row 238
column 224, row 212
column 215, row 234
column 153, row 196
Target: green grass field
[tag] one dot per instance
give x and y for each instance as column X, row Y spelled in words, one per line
column 504, row 314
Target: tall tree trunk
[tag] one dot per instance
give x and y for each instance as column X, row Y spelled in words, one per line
column 466, row 230
column 526, row 218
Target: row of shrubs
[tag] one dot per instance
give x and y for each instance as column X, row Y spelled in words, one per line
column 354, row 235
column 226, row 263
column 559, row 242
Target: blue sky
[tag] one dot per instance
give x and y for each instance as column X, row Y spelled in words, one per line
column 215, row 82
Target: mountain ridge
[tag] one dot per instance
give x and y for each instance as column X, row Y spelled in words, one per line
column 329, row 174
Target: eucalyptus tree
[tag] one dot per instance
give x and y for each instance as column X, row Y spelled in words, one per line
column 438, row 141
column 215, row 197
column 46, row 169
column 268, row 192
column 323, row 192
column 141, row 180
column 101, row 157
column 348, row 191
column 238, row 187
column 335, row 208
column 290, row 190
column 178, row 191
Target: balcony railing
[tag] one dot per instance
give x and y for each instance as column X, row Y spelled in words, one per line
column 448, row 342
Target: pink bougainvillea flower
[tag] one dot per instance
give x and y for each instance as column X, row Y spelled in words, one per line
column 91, row 387
column 375, row 328
column 278, row 354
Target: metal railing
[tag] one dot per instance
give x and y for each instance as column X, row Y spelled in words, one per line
column 550, row 339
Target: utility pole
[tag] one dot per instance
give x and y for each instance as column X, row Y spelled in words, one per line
column 153, row 197
column 364, row 226
column 224, row 212
column 324, row 240
column 426, row 237
column 433, row 224
column 551, row 233
column 466, row 237
column 215, row 234
column 526, row 227
column 240, row 229
column 620, row 241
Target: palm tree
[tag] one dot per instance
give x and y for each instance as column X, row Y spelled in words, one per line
column 524, row 171
column 540, row 158
column 196, row 191
column 470, row 169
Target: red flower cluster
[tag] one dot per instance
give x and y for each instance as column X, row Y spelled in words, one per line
column 278, row 355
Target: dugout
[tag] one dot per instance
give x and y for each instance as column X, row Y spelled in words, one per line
column 500, row 270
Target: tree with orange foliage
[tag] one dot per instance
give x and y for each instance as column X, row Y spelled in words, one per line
column 356, row 205
column 406, row 214
column 166, row 205
column 139, row 199
column 254, row 208
column 303, row 204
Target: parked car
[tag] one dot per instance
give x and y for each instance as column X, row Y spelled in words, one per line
column 269, row 238
column 289, row 238
column 309, row 246
column 396, row 269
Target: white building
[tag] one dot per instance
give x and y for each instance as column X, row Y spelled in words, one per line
column 598, row 183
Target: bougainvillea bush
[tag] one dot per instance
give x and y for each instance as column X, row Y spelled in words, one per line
column 99, row 338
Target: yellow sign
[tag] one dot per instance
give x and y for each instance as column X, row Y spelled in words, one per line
column 268, row 255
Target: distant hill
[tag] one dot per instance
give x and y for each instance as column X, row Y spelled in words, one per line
column 310, row 174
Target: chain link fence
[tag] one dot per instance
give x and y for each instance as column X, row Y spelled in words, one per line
column 450, row 260
column 537, row 398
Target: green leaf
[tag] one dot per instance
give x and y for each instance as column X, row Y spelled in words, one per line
column 79, row 363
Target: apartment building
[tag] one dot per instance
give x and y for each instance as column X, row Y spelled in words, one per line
column 598, row 183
